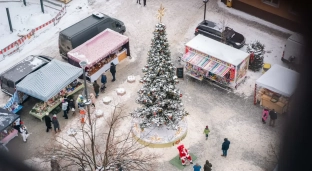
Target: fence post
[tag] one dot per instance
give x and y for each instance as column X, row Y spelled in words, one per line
column 9, row 18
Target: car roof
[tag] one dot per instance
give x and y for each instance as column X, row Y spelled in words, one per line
column 211, row 25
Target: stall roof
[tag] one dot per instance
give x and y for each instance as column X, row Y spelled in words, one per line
column 49, row 80
column 217, row 49
column 280, row 80
column 98, row 47
column 6, row 118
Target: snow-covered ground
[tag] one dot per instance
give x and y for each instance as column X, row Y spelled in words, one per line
column 237, row 120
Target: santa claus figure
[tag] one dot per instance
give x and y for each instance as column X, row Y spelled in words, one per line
column 184, row 154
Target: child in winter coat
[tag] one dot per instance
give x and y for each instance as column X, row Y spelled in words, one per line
column 206, row 131
column 92, row 97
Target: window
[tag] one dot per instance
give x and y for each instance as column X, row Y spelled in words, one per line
column 274, row 3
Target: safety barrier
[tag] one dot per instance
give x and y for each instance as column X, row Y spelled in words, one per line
column 18, row 45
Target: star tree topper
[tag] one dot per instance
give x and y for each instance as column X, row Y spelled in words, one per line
column 161, row 13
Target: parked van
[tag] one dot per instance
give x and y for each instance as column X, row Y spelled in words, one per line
column 294, row 49
column 15, row 74
column 77, row 34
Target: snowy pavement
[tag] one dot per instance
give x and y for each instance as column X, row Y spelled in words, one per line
column 229, row 115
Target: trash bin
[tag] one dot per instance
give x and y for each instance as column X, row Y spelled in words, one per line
column 229, row 3
column 265, row 67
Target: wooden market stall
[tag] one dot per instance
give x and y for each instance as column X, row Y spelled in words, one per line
column 207, row 58
column 50, row 84
column 275, row 87
column 104, row 48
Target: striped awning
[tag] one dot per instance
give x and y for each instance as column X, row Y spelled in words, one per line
column 49, row 80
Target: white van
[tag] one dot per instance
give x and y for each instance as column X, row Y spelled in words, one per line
column 294, row 49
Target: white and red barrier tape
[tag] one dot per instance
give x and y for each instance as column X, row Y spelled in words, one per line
column 16, row 46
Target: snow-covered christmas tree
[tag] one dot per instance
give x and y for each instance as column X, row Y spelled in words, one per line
column 160, row 99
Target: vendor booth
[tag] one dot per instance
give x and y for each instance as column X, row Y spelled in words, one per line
column 207, row 58
column 7, row 131
column 106, row 47
column 50, row 84
column 275, row 87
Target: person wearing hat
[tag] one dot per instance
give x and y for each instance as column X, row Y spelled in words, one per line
column 207, row 166
column 206, row 131
column 103, row 81
column 64, row 108
column 225, row 147
column 48, row 121
column 55, row 123
column 112, row 69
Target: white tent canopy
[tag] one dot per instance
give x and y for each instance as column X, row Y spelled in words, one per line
column 280, row 80
column 49, row 80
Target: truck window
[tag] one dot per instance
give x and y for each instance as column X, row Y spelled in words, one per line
column 65, row 43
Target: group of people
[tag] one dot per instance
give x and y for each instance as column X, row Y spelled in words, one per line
column 225, row 144
column 96, row 86
column 273, row 116
column 207, row 166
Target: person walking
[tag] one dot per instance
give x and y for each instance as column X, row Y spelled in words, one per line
column 17, row 125
column 103, row 81
column 71, row 105
column 55, row 123
column 92, row 97
column 225, row 147
column 64, row 108
column 48, row 121
column 24, row 132
column 273, row 117
column 139, row 1
column 206, row 131
column 265, row 115
column 197, row 167
column 207, row 166
column 144, row 2
column 96, row 88
column 112, row 69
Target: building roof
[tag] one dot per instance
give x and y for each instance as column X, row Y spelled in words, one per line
column 217, row 50
column 280, row 80
column 6, row 118
column 99, row 47
column 49, row 80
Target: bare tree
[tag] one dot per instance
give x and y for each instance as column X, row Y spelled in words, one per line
column 112, row 149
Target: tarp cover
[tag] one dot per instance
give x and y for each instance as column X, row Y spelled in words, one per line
column 280, row 80
column 49, row 80
column 99, row 47
column 6, row 118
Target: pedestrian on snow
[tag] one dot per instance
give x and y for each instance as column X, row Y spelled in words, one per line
column 96, row 88
column 113, row 70
column 24, row 133
column 17, row 125
column 92, row 97
column 225, row 147
column 139, row 1
column 80, row 101
column 64, row 108
column 48, row 121
column 197, row 167
column 55, row 123
column 103, row 81
column 265, row 115
column 144, row 2
column 273, row 117
column 206, row 131
column 207, row 166
column 71, row 105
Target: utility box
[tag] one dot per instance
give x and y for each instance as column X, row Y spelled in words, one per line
column 229, row 3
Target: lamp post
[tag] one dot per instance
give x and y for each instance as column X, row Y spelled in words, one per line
column 83, row 65
column 205, row 1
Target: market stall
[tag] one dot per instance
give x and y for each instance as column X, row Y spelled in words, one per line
column 7, row 131
column 106, row 47
column 207, row 58
column 50, row 84
column 275, row 87
column 13, row 105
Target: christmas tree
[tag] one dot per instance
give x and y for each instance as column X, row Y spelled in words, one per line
column 160, row 99
column 256, row 50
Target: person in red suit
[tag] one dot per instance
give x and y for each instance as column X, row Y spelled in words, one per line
column 184, row 154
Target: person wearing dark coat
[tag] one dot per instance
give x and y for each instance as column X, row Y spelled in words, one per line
column 207, row 166
column 103, row 81
column 273, row 117
column 113, row 70
column 48, row 121
column 225, row 147
column 71, row 105
column 56, row 124
column 144, row 2
column 139, row 1
column 96, row 88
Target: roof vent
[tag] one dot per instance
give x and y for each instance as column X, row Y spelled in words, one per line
column 98, row 15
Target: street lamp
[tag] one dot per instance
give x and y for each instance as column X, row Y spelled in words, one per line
column 205, row 1
column 83, row 65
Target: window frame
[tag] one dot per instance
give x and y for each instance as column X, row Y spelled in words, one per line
column 271, row 3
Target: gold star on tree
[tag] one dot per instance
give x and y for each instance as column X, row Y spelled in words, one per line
column 161, row 13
